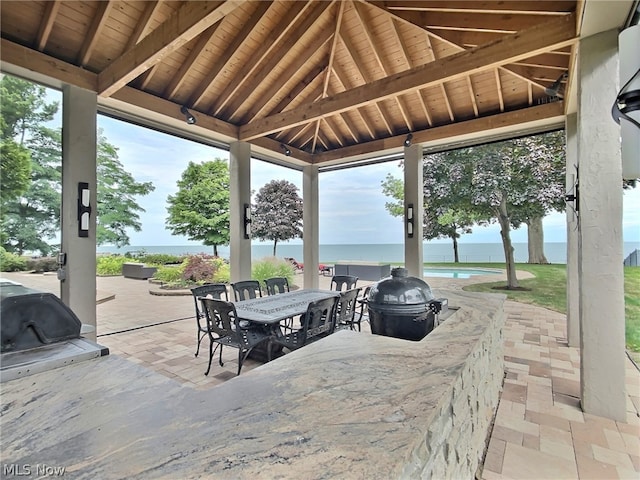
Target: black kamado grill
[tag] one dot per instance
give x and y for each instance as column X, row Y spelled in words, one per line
column 403, row 307
column 38, row 332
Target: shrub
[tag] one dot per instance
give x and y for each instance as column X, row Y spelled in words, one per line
column 169, row 274
column 201, row 268
column 270, row 267
column 162, row 259
column 10, row 262
column 43, row 264
column 110, row 264
column 223, row 274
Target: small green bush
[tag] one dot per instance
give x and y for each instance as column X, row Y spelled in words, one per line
column 162, row 259
column 270, row 267
column 10, row 262
column 223, row 274
column 43, row 264
column 166, row 274
column 110, row 264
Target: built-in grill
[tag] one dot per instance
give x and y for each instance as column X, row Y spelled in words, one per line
column 403, row 307
column 38, row 332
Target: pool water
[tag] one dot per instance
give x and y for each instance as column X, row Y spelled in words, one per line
column 456, row 272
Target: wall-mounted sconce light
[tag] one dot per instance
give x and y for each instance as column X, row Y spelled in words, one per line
column 247, row 220
column 574, row 194
column 285, row 149
column 409, row 220
column 407, row 141
column 554, row 89
column 190, row 119
column 84, row 209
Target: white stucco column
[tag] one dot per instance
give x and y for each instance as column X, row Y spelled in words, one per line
column 413, row 205
column 602, row 332
column 311, row 226
column 573, row 290
column 79, row 137
column 239, row 196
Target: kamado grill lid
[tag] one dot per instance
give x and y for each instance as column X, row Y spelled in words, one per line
column 400, row 289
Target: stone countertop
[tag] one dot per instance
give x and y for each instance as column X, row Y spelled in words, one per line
column 349, row 406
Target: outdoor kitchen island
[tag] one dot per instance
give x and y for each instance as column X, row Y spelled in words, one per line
column 349, row 406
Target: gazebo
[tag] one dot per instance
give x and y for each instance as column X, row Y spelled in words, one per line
column 313, row 85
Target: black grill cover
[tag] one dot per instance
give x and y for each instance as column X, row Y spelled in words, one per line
column 31, row 318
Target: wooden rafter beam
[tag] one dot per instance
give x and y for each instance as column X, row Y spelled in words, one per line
column 150, row 9
column 46, row 24
column 99, row 20
column 536, row 7
column 512, row 48
column 188, row 22
column 271, row 41
column 229, row 52
column 30, row 59
column 451, row 132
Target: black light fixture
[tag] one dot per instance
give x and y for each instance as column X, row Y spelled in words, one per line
column 247, row 220
column 554, row 89
column 84, row 209
column 191, row 120
column 409, row 219
column 407, row 141
column 285, row 149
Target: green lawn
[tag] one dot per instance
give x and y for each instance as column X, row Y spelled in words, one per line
column 548, row 289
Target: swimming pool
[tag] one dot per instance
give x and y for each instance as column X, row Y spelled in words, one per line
column 457, row 272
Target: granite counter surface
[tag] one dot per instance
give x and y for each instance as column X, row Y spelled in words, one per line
column 349, row 406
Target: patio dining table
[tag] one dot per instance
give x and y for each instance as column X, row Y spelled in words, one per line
column 273, row 309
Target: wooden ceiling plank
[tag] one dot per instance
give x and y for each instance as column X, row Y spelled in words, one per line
column 99, row 20
column 536, row 7
column 442, row 87
column 334, row 45
column 529, row 74
column 291, row 71
column 381, row 60
column 188, row 22
column 449, row 132
column 229, row 52
column 355, row 59
column 266, row 48
column 196, row 51
column 341, row 80
column 48, row 19
column 334, row 129
column 151, row 7
column 544, row 37
column 273, row 61
column 258, row 107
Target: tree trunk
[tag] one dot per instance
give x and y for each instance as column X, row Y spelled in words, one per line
column 535, row 241
column 275, row 243
column 505, row 233
column 215, row 250
column 456, row 258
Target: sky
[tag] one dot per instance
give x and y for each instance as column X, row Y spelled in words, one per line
column 351, row 202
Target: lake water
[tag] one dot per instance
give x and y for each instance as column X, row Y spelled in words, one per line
column 433, row 252
column 456, row 272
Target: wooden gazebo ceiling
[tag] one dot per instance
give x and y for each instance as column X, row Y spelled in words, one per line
column 327, row 79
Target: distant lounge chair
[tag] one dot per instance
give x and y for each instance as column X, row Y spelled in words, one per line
column 296, row 265
column 322, row 269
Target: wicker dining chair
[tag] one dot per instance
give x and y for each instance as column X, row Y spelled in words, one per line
column 215, row 290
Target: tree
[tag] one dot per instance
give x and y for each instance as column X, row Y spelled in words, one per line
column 444, row 213
column 277, row 213
column 117, row 209
column 15, row 164
column 200, row 208
column 31, row 218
